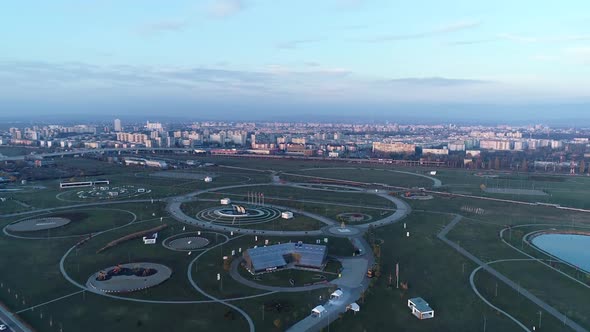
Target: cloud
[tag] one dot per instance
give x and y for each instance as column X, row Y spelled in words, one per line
column 441, row 30
column 522, row 39
column 543, row 39
column 293, row 44
column 24, row 77
column 311, row 64
column 162, row 26
column 63, row 83
column 472, row 42
column 225, row 8
column 436, row 81
column 457, row 26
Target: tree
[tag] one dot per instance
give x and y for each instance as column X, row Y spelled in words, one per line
column 525, row 165
column 582, row 166
column 277, row 323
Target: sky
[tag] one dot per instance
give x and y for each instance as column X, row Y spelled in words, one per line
column 281, row 58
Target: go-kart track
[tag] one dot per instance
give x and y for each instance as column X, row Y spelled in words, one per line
column 127, row 278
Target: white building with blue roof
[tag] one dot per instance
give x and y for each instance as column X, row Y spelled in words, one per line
column 285, row 255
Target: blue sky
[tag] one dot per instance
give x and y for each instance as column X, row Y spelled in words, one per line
column 252, row 54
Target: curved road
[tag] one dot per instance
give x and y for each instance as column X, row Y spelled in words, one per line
column 353, row 282
column 436, row 182
column 235, row 274
column 442, row 235
column 174, row 208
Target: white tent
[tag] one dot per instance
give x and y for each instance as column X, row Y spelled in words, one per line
column 318, row 311
column 354, row 307
column 336, row 295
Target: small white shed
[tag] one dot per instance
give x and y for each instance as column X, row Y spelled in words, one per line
column 420, row 308
column 287, row 215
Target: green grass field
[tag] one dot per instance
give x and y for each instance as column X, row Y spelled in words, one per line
column 431, row 269
column 368, row 175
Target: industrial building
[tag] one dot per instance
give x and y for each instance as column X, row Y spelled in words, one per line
column 285, row 255
column 129, row 161
column 395, row 147
column 78, row 184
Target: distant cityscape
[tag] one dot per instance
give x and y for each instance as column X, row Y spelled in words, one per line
column 478, row 147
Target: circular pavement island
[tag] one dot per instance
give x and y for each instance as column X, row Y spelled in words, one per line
column 126, row 278
column 38, row 224
column 354, row 217
column 188, row 243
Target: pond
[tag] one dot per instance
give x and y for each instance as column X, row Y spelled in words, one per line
column 572, row 248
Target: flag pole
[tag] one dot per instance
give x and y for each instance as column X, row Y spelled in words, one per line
column 397, row 275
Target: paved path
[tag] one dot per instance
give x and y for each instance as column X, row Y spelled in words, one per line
column 215, row 299
column 552, row 311
column 320, row 218
column 474, row 288
column 174, row 208
column 7, row 233
column 353, row 283
column 402, row 210
column 76, row 206
column 50, row 301
column 131, row 299
column 436, row 182
column 12, row 322
column 546, row 253
column 235, row 274
column 276, row 198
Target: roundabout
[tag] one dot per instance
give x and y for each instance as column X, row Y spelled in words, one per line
column 246, row 216
column 354, row 217
column 341, row 231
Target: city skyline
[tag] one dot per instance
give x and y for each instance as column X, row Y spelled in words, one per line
column 262, row 58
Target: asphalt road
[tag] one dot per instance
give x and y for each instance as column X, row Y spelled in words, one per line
column 12, row 323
